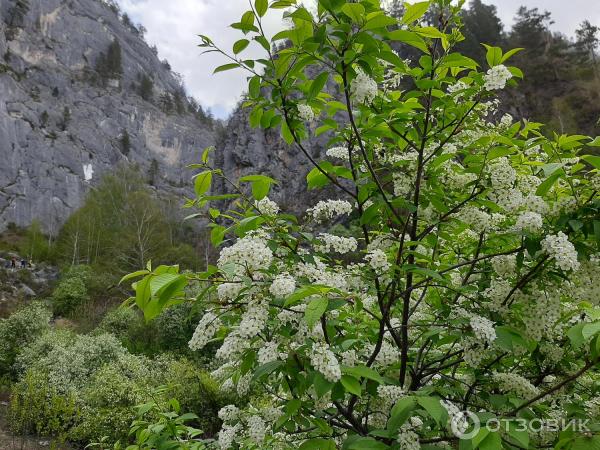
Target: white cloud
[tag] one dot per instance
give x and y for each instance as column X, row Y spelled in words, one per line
column 174, row 25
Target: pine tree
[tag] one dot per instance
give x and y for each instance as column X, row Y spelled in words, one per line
column 109, row 64
column 588, row 40
column 482, row 25
column 125, row 142
column 146, row 88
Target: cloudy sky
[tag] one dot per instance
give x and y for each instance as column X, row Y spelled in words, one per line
column 173, row 26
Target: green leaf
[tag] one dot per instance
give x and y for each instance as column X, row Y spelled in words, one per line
column 240, row 46
column 549, row 182
column 261, row 7
column 286, row 134
column 363, row 372
column 367, row 443
column 318, row 444
column 355, row 11
column 519, row 435
column 322, row 386
column 493, row 55
column 510, row 53
column 492, row 441
column 314, row 310
column 261, row 185
column 217, row 234
column 415, row 12
column 317, row 85
column 267, row 369
column 593, row 160
column 225, row 67
column 379, row 21
column 575, row 335
column 590, row 330
column 315, row 179
column 400, row 412
column 202, row 182
column 434, row 408
column 136, row 274
column 351, row 385
column 410, row 38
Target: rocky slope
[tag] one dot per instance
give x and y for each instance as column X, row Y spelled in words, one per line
column 61, row 129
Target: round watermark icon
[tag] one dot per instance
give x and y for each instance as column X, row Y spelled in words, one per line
column 465, row 425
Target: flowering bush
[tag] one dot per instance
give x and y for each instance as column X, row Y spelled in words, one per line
column 20, row 329
column 470, row 285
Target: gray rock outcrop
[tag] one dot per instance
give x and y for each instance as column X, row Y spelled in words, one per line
column 61, row 130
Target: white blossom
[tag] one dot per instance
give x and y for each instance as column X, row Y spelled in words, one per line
column 562, row 250
column 378, row 260
column 363, row 88
column 324, row 361
column 283, row 285
column 206, row 329
column 306, row 113
column 329, row 209
column 514, row 383
column 497, row 77
column 529, row 221
column 267, row 207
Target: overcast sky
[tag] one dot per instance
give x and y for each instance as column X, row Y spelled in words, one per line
column 173, row 26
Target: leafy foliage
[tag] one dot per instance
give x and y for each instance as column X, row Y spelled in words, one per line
column 469, row 285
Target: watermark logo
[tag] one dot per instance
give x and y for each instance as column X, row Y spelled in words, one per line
column 467, row 424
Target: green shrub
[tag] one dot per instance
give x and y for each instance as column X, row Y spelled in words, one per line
column 72, row 290
column 19, row 330
column 70, row 363
column 90, row 385
column 35, row 407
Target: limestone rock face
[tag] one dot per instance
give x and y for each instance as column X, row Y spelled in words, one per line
column 61, row 129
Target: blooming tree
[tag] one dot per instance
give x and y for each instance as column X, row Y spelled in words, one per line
column 464, row 285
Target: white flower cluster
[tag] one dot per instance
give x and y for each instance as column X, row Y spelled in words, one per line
column 250, row 253
column 338, row 152
column 228, row 291
column 324, row 361
column 407, row 438
column 363, row 87
column 504, row 265
column 530, row 222
column 497, row 77
column 257, row 429
column 253, row 320
column 456, row 416
column 283, row 285
column 329, row 209
column 338, row 244
column 562, row 250
column 269, row 352
column 378, row 260
column 483, row 328
column 474, row 351
column 502, row 174
column 512, row 382
column 390, row 393
column 478, row 220
column 229, row 413
column 306, row 113
column 227, row 436
column 267, row 207
column 206, row 329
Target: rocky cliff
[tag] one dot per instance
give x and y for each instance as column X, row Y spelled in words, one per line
column 64, row 123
